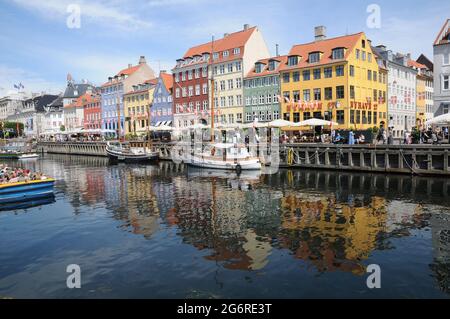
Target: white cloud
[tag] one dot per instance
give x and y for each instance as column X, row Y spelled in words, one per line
column 31, row 81
column 107, row 13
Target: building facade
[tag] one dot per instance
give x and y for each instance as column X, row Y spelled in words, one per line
column 112, row 93
column 53, row 119
column 11, row 103
column 402, row 86
column 92, row 112
column 223, row 63
column 191, row 89
column 441, row 58
column 138, row 103
column 336, row 79
column 162, row 109
column 262, row 90
column 424, row 93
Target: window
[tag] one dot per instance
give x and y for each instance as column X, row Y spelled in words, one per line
column 258, row 67
column 237, row 51
column 205, row 71
column 317, row 94
column 446, row 85
column 197, row 73
column 446, row 59
column 238, row 83
column 222, row 85
column 340, row 94
column 352, row 92
column 328, row 93
column 340, row 70
column 190, row 75
column 306, row 116
column 296, row 117
column 314, row 57
column 328, row 72
column 352, row 116
column 226, row 54
column 369, row 57
column 262, row 99
column 338, row 53
column 369, row 75
column 191, row 91
column 358, row 53
column 340, row 116
column 230, row 101
column 293, row 60
column 363, row 55
column 205, row 89
column 271, row 65
column 239, row 100
column 238, row 66
column 177, row 77
column 286, row 77
column 316, row 73
column 230, row 67
column 222, row 101
column 352, row 70
column 296, row 76
column 306, row 75
column 296, row 96
column 306, row 95
column 286, row 96
column 230, row 84
column 222, row 69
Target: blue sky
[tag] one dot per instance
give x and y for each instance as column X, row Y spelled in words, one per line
column 38, row 49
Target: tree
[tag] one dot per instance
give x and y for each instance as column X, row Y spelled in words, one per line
column 62, row 128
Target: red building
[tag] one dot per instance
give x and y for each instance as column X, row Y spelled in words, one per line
column 190, row 89
column 92, row 111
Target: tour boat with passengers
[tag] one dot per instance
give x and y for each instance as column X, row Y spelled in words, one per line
column 16, row 192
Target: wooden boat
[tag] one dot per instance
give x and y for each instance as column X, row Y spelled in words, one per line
column 20, row 191
column 225, row 156
column 123, row 152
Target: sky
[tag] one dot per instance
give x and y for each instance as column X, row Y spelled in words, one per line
column 39, row 49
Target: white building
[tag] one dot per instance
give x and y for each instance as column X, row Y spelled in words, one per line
column 402, row 84
column 441, row 57
column 11, row 103
column 53, row 118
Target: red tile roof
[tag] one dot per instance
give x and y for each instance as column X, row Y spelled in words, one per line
column 326, row 47
column 412, row 63
column 444, row 33
column 282, row 59
column 79, row 102
column 233, row 40
column 167, row 80
column 128, row 71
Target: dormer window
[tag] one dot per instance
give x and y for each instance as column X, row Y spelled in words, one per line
column 215, row 56
column 272, row 65
column 293, row 60
column 226, row 54
column 338, row 53
column 237, row 51
column 314, row 57
column 258, row 67
column 206, row 56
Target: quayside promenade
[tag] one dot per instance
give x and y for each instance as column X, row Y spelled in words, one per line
column 401, row 159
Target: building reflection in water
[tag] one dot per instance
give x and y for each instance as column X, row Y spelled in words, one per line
column 328, row 221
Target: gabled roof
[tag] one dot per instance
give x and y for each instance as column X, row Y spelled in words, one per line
column 414, row 64
column 58, row 102
column 425, row 61
column 231, row 41
column 325, row 46
column 443, row 36
column 281, row 59
column 42, row 100
column 85, row 98
column 79, row 89
column 167, row 79
column 128, row 71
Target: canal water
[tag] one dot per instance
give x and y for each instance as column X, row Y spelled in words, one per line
column 170, row 231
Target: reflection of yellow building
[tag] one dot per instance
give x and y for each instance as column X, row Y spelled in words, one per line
column 337, row 79
column 336, row 236
column 137, row 104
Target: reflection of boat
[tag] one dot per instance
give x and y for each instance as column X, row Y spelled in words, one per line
column 20, row 191
column 28, row 204
column 123, row 152
column 250, row 175
column 225, row 156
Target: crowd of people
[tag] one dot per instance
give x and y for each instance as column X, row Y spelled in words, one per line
column 17, row 175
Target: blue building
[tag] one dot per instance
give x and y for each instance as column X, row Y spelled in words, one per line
column 112, row 93
column 162, row 108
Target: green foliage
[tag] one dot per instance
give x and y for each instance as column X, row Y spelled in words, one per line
column 62, row 128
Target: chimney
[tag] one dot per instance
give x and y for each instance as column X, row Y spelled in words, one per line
column 246, row 27
column 225, row 35
column 130, row 65
column 276, row 50
column 142, row 60
column 320, row 33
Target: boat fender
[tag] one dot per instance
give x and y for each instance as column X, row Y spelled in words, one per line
column 238, row 169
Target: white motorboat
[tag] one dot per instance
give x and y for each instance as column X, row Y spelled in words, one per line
column 25, row 156
column 225, row 156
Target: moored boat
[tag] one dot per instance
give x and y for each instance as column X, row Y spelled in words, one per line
column 20, row 191
column 123, row 152
column 225, row 156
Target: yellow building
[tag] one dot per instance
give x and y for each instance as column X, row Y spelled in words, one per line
column 137, row 104
column 421, row 100
column 336, row 79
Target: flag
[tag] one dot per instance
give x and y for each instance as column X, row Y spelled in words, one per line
column 21, row 85
column 16, row 86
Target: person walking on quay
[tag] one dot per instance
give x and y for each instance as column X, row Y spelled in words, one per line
column 351, row 138
column 390, row 140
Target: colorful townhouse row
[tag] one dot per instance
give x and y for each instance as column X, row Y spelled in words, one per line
column 344, row 79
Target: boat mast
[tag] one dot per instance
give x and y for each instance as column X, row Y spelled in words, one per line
column 212, row 89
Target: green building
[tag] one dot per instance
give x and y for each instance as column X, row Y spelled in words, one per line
column 262, row 90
